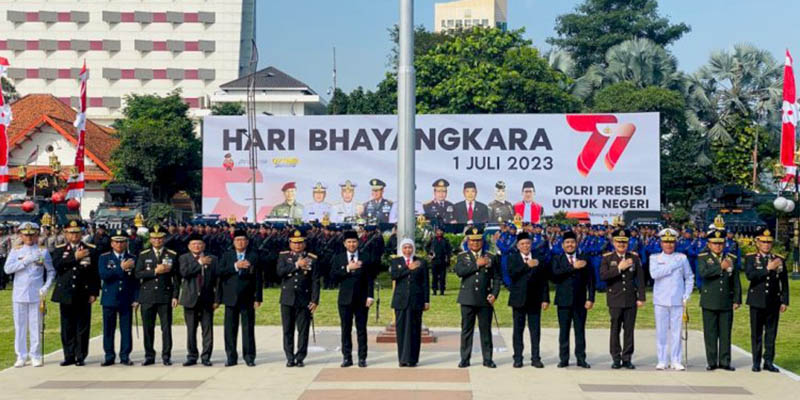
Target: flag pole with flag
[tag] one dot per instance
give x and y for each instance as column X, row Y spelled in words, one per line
column 5, row 121
column 75, row 183
column 789, row 120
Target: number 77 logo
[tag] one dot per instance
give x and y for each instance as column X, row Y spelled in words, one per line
column 601, row 128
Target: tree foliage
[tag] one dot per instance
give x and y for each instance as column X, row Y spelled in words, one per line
column 158, row 146
column 9, row 91
column 227, row 108
column 598, row 25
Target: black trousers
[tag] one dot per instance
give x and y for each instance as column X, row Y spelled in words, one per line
column 409, row 335
column 75, row 322
column 4, row 278
column 717, row 325
column 533, row 316
column 622, row 318
column 110, row 315
column 295, row 317
column 439, row 272
column 247, row 315
column 202, row 315
column 164, row 313
column 567, row 317
column 484, row 316
column 763, row 331
column 347, row 314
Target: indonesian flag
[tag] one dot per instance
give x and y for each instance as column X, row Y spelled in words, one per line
column 5, row 121
column 789, row 125
column 75, row 183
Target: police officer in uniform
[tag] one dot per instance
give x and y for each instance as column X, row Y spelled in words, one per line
column 77, row 287
column 157, row 270
column 530, row 295
column 768, row 297
column 440, row 250
column 120, row 293
column 623, row 273
column 500, row 209
column 480, row 285
column 377, row 209
column 300, row 286
column 720, row 296
column 439, row 210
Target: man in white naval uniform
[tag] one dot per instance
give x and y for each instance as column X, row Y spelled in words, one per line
column 316, row 210
column 674, row 282
column 347, row 208
column 28, row 263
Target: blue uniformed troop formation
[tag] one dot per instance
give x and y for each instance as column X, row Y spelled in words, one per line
column 203, row 266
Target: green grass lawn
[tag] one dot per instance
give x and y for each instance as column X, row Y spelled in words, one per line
column 444, row 313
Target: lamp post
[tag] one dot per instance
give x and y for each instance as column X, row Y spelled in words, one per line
column 789, row 206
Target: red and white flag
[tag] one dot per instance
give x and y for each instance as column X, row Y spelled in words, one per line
column 5, row 121
column 789, row 123
column 75, row 183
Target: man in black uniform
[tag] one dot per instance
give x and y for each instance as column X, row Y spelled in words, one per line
column 198, row 297
column 77, row 287
column 439, row 210
column 575, row 287
column 355, row 272
column 768, row 297
column 101, row 240
column 377, row 209
column 530, row 295
column 440, row 250
column 480, row 284
column 241, row 290
column 156, row 269
column 622, row 270
column 300, row 287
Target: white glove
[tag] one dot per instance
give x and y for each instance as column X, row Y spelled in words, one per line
column 31, row 259
column 42, row 292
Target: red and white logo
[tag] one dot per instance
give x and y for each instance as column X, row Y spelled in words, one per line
column 601, row 128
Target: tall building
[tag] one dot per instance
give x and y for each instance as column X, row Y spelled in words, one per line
column 130, row 46
column 465, row 14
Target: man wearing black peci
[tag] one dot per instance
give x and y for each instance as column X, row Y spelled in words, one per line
column 355, row 272
column 156, row 269
column 240, row 289
column 199, row 298
column 300, row 284
column 575, row 287
column 530, row 295
column 77, row 285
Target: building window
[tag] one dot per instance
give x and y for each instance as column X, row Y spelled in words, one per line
column 459, row 23
column 450, row 23
column 444, row 24
column 484, row 22
column 467, row 23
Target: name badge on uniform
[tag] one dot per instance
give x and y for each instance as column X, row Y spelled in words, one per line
column 614, row 263
column 148, row 263
column 110, row 264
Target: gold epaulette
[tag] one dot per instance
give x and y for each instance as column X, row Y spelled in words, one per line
column 635, row 253
column 312, row 255
column 425, row 204
column 780, row 256
column 608, row 253
column 108, row 252
column 750, row 254
column 705, row 253
column 91, row 246
column 285, row 252
column 144, row 251
column 58, row 246
column 396, row 256
column 171, row 251
column 18, row 246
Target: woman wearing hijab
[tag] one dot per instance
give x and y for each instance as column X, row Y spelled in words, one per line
column 411, row 297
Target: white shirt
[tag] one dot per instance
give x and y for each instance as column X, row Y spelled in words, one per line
column 28, row 264
column 673, row 278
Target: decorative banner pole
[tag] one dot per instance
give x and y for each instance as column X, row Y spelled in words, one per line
column 75, row 183
column 5, row 121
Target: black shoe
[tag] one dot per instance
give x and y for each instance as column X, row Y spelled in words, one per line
column 167, row 362
column 67, row 362
column 79, row 363
column 563, row 364
column 347, row 363
column 412, row 365
column 463, row 364
column 207, row 363
column 489, row 364
column 628, row 365
column 230, row 363
column 517, row 363
column 148, row 362
column 584, row 364
column 728, row 368
column 299, row 364
column 711, row 367
column 756, row 368
column 107, row 363
column 250, row 363
column 189, row 363
column 290, row 364
column 770, row 367
column 616, row 365
column 126, row 363
column 403, row 365
column 537, row 364
column 362, row 363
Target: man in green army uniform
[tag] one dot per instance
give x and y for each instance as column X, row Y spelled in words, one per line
column 720, row 296
column 290, row 208
column 768, row 297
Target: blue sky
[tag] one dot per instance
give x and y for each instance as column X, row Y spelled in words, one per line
column 297, row 36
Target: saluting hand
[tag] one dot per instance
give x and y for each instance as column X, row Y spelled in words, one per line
column 81, row 253
column 774, row 264
column 414, row 265
column 579, row 264
column 726, row 264
column 532, row 262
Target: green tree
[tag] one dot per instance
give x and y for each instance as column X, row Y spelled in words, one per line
column 598, row 25
column 9, row 91
column 424, row 41
column 227, row 109
column 158, row 146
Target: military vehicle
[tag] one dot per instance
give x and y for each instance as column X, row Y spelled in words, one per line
column 737, row 206
column 122, row 202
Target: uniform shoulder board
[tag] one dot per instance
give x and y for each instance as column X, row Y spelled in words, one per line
column 144, row 252
column 608, row 253
column 42, row 247
column 171, row 251
column 106, row 253
column 396, row 256
column 58, row 246
column 780, row 256
column 429, row 202
column 91, row 246
column 705, row 253
column 312, row 255
column 18, row 246
column 285, row 252
column 750, row 254
column 635, row 253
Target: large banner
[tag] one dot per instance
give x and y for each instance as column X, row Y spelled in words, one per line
column 479, row 168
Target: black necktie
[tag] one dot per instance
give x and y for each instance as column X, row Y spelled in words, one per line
column 352, row 257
